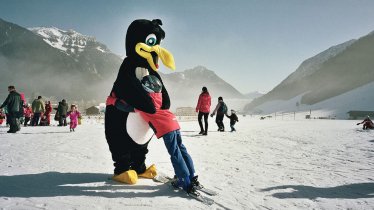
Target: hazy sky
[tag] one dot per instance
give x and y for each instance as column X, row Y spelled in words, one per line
column 252, row 44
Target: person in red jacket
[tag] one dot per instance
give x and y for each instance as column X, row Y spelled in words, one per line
column 48, row 110
column 203, row 108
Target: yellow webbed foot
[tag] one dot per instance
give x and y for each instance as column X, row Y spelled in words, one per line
column 150, row 172
column 127, row 177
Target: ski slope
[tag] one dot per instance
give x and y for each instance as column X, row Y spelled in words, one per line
column 266, row 164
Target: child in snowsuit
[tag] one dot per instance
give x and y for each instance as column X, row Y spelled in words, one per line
column 367, row 123
column 43, row 120
column 233, row 119
column 47, row 113
column 27, row 111
column 2, row 116
column 73, row 114
column 165, row 125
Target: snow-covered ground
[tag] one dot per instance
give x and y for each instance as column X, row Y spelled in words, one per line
column 266, row 164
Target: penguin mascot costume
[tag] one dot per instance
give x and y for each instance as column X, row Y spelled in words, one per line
column 126, row 132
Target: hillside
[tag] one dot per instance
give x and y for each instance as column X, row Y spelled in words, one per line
column 338, row 70
column 35, row 66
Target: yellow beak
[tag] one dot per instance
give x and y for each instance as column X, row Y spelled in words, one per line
column 145, row 51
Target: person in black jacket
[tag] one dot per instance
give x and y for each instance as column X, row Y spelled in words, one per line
column 14, row 106
column 62, row 110
column 233, row 119
column 221, row 110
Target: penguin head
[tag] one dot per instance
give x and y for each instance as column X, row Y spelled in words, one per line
column 143, row 40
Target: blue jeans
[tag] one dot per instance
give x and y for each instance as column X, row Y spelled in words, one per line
column 181, row 160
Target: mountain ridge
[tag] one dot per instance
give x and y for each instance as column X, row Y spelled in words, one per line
column 349, row 68
column 60, row 64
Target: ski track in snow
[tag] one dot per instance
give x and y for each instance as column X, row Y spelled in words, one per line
column 266, row 164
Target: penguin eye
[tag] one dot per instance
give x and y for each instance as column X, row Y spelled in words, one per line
column 151, row 40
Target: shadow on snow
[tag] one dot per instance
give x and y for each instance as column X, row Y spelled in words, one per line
column 350, row 191
column 52, row 184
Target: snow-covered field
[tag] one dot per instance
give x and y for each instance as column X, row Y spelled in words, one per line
column 266, row 164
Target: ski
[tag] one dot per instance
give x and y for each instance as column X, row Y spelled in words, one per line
column 207, row 191
column 165, row 178
column 203, row 199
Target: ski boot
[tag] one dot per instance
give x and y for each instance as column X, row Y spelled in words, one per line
column 196, row 183
column 186, row 185
column 192, row 191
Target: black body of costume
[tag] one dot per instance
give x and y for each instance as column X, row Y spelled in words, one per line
column 127, row 154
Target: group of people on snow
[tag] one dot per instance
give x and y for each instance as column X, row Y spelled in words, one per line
column 203, row 109
column 16, row 112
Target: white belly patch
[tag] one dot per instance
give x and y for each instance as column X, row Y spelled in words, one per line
column 138, row 129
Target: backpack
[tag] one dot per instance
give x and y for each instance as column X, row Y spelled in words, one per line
column 222, row 108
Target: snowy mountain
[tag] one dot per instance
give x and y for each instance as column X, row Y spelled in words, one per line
column 311, row 65
column 84, row 49
column 336, row 71
column 184, row 88
column 55, row 63
column 190, row 82
column 70, row 42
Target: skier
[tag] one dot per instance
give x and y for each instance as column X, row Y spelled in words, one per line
column 165, row 125
column 73, row 114
column 233, row 119
column 203, row 107
column 221, row 110
column 367, row 123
